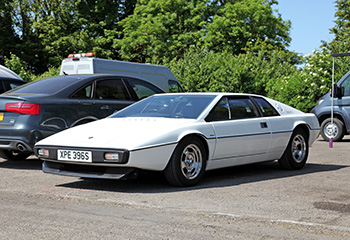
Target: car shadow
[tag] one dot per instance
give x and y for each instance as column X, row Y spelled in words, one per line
column 155, row 182
column 32, row 163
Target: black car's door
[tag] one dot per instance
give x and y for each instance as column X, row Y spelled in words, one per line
column 101, row 97
column 110, row 94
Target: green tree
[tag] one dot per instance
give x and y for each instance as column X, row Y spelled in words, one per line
column 341, row 40
column 304, row 87
column 8, row 36
column 47, row 31
column 242, row 24
column 161, row 29
column 204, row 71
column 15, row 64
column 164, row 29
column 69, row 26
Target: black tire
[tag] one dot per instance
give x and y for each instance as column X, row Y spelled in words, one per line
column 14, row 155
column 187, row 164
column 297, row 151
column 336, row 133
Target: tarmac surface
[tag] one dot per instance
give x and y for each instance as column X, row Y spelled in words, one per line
column 258, row 201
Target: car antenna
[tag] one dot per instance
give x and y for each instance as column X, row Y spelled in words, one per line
column 334, row 55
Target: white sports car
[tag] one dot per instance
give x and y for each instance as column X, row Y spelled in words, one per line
column 182, row 135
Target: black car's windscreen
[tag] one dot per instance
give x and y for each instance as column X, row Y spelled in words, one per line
column 168, row 106
column 46, row 85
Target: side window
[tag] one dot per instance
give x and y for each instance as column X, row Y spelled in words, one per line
column 2, row 89
column 8, row 85
column 143, row 89
column 265, row 107
column 112, row 89
column 84, row 93
column 345, row 87
column 233, row 108
column 220, row 112
column 174, row 87
column 242, row 108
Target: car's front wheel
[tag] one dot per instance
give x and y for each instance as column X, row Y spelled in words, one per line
column 297, row 151
column 334, row 131
column 187, row 164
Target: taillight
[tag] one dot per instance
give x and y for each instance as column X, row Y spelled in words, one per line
column 23, row 108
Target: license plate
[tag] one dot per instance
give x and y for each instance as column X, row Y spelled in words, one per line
column 74, row 155
column 1, row 116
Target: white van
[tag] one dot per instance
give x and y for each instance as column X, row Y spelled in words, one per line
column 159, row 75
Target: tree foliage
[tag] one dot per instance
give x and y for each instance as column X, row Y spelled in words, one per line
column 205, row 71
column 161, row 29
column 241, row 24
column 45, row 32
column 210, row 45
column 164, row 29
column 8, row 37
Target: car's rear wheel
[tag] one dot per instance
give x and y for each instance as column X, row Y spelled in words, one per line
column 14, row 155
column 297, row 151
column 187, row 164
column 334, row 131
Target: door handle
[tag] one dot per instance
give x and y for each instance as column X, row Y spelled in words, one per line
column 105, row 107
column 86, row 103
column 263, row 125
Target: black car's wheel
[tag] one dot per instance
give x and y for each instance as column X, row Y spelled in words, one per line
column 334, row 131
column 297, row 151
column 187, row 164
column 14, row 155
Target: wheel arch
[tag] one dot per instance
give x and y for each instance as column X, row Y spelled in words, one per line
column 328, row 115
column 83, row 121
column 201, row 137
column 304, row 127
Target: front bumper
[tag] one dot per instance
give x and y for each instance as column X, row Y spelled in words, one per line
column 89, row 171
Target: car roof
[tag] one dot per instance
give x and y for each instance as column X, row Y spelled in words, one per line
column 61, row 83
column 7, row 73
column 213, row 94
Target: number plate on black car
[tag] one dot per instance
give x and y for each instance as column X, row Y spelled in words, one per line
column 74, row 155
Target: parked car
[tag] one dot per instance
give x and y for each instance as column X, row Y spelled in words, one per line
column 7, row 84
column 182, row 135
column 41, row 108
column 9, row 79
column 341, row 108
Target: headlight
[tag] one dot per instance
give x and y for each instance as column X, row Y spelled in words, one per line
column 42, row 152
column 116, row 157
column 320, row 101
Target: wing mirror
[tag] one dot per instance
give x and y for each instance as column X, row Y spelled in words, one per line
column 337, row 91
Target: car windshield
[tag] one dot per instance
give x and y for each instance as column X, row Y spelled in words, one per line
column 168, row 106
column 46, row 85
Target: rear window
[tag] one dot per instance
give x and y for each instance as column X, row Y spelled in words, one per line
column 46, row 85
column 265, row 107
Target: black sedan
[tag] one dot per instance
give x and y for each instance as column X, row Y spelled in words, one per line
column 39, row 109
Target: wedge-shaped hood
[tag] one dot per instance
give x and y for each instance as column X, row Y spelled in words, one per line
column 121, row 133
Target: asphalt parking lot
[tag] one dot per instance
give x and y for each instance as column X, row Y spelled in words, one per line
column 257, row 201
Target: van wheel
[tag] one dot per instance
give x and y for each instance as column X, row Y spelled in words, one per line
column 14, row 155
column 335, row 131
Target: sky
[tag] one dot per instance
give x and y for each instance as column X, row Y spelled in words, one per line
column 311, row 21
